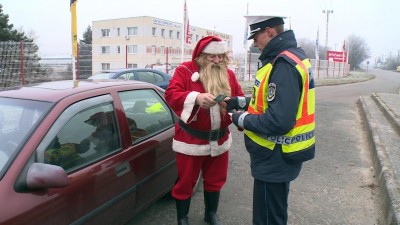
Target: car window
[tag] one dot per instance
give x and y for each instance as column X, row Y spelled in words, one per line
column 146, row 76
column 80, row 137
column 102, row 75
column 18, row 119
column 158, row 77
column 146, row 112
column 127, row 76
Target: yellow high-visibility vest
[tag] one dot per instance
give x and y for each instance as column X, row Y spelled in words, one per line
column 301, row 137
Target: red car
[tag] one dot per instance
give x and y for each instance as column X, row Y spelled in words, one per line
column 92, row 152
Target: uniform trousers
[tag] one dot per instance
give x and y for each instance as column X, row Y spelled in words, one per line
column 270, row 203
column 214, row 171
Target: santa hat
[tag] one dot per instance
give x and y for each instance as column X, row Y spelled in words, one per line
column 209, row 45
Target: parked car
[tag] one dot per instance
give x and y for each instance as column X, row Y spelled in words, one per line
column 93, row 152
column 153, row 76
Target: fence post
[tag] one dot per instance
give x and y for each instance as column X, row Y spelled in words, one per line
column 77, row 61
column 21, row 51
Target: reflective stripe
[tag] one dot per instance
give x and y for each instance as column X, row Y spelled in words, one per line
column 286, row 140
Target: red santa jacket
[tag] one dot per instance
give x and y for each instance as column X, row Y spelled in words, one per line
column 181, row 96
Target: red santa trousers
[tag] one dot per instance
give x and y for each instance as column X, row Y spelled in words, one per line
column 215, row 170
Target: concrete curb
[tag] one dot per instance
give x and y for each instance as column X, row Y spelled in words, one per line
column 384, row 171
column 387, row 111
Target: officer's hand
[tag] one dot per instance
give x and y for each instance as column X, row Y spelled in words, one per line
column 235, row 118
column 231, row 103
column 238, row 103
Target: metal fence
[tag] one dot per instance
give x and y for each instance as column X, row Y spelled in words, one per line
column 20, row 64
column 321, row 69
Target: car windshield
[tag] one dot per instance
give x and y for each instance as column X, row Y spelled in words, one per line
column 18, row 118
column 102, row 75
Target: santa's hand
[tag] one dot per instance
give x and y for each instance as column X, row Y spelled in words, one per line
column 205, row 100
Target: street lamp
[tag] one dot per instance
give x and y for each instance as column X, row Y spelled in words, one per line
column 327, row 20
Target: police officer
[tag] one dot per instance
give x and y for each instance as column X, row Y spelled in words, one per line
column 279, row 121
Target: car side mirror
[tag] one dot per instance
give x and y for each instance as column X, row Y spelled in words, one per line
column 43, row 176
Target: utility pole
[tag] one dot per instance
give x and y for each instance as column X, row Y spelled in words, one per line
column 329, row 11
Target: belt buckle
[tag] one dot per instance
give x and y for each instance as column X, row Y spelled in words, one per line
column 214, row 135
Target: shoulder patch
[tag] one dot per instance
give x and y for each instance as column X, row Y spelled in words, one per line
column 271, row 91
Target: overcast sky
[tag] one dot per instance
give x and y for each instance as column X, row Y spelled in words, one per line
column 376, row 21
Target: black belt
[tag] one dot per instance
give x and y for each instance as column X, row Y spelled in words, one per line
column 212, row 135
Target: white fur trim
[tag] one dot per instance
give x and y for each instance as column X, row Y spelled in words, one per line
column 212, row 149
column 216, row 47
column 195, row 76
column 215, row 117
column 188, row 105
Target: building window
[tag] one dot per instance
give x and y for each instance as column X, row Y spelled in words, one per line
column 118, row 32
column 132, row 49
column 197, row 37
column 162, row 32
column 132, row 65
column 118, row 49
column 105, row 66
column 153, row 31
column 105, row 32
column 171, row 34
column 162, row 50
column 178, row 35
column 153, row 50
column 132, row 31
column 105, row 49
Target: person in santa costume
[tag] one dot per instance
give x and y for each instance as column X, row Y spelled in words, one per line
column 202, row 138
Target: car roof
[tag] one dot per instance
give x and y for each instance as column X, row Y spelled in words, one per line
column 53, row 91
column 131, row 69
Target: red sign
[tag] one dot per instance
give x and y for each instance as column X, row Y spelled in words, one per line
column 336, row 56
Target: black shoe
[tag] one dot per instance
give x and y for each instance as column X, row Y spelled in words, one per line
column 211, row 200
column 183, row 221
column 182, row 210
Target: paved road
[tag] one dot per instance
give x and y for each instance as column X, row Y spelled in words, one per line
column 337, row 187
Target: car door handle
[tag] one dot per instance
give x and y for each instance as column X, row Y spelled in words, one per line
column 122, row 169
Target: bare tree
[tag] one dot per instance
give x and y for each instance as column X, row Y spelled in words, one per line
column 358, row 51
column 309, row 48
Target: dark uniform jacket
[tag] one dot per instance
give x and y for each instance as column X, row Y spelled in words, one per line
column 280, row 116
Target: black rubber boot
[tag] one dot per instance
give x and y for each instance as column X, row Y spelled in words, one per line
column 182, row 210
column 211, row 200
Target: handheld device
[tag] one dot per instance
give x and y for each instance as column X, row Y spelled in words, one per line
column 220, row 98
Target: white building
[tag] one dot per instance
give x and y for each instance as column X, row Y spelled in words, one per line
column 143, row 41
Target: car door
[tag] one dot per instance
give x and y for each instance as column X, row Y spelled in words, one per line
column 85, row 141
column 152, row 128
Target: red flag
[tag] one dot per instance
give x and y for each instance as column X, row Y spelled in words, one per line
column 186, row 34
